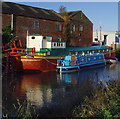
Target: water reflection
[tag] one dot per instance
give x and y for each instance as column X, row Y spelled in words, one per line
column 53, row 89
column 106, row 73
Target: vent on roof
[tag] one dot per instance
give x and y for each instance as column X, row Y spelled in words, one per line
column 21, row 8
column 33, row 9
column 5, row 5
column 45, row 12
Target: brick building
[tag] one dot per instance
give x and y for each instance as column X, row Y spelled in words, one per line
column 26, row 19
column 81, row 28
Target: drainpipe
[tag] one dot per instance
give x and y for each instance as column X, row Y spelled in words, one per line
column 12, row 20
column 100, row 36
column 27, row 44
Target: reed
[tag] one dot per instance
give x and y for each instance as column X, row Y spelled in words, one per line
column 22, row 110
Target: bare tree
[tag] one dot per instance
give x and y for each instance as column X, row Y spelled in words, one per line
column 62, row 9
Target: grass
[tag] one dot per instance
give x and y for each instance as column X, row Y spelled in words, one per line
column 103, row 104
column 22, row 110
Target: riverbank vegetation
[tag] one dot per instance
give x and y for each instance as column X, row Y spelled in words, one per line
column 104, row 103
column 23, row 110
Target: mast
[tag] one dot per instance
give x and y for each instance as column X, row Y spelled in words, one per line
column 100, row 36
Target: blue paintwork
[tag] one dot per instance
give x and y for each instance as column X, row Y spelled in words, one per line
column 80, row 62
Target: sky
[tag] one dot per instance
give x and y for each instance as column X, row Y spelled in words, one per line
column 104, row 14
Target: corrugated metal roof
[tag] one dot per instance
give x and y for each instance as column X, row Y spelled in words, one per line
column 28, row 11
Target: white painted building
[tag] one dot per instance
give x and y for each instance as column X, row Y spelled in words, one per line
column 40, row 42
column 109, row 38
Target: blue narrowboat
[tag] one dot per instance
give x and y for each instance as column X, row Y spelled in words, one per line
column 75, row 62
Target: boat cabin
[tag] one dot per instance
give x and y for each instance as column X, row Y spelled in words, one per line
column 43, row 43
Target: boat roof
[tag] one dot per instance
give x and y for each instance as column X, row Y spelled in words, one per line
column 89, row 48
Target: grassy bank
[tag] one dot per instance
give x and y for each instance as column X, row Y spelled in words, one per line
column 105, row 102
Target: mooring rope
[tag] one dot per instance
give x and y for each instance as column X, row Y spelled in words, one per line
column 51, row 62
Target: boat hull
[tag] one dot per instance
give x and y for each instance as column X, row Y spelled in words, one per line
column 74, row 63
column 39, row 64
column 67, row 68
column 35, row 63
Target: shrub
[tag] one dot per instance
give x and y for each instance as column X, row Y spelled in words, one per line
column 104, row 103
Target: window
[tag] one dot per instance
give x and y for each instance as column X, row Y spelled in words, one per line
column 80, row 28
column 96, row 39
column 33, row 37
column 73, row 28
column 59, row 38
column 36, row 25
column 116, row 39
column 44, row 37
column 59, row 27
column 82, row 60
column 54, row 44
column 81, row 15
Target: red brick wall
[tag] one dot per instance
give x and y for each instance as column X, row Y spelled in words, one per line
column 23, row 24
column 6, row 19
column 85, row 35
column 83, row 38
column 47, row 27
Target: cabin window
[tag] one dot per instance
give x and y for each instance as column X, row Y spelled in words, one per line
column 61, row 44
column 54, row 44
column 88, row 58
column 96, row 39
column 80, row 28
column 82, row 60
column 73, row 28
column 59, row 27
column 33, row 37
column 36, row 25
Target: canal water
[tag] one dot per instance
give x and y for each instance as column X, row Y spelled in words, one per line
column 51, row 93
